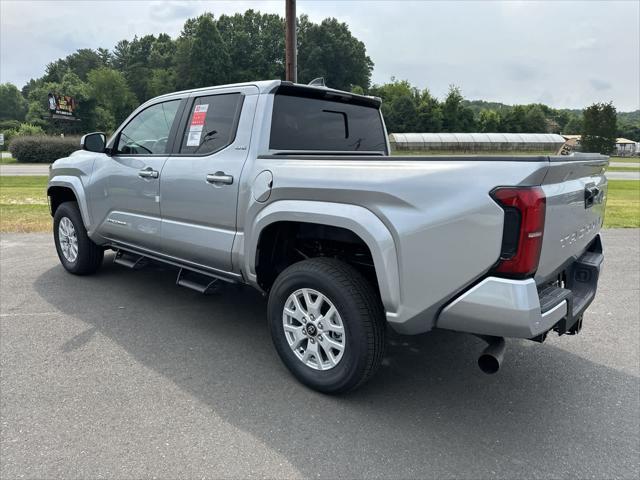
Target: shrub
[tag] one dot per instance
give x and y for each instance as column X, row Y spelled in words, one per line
column 9, row 125
column 23, row 129
column 28, row 129
column 42, row 149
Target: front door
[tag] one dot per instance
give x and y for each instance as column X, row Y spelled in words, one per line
column 126, row 185
column 199, row 182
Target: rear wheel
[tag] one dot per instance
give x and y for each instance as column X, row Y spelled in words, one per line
column 76, row 251
column 327, row 324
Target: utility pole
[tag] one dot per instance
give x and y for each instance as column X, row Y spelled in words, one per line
column 291, row 42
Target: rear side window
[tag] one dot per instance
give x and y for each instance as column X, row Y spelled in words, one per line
column 303, row 123
column 212, row 124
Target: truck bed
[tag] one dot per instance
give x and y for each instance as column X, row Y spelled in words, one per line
column 446, row 226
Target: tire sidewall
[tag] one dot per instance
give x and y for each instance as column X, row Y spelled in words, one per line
column 353, row 361
column 83, row 262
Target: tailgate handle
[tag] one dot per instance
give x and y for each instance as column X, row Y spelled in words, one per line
column 590, row 194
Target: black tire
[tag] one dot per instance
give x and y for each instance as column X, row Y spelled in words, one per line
column 362, row 317
column 90, row 255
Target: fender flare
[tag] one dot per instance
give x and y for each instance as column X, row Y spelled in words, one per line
column 75, row 185
column 359, row 220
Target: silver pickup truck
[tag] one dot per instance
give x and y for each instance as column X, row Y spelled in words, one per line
column 291, row 189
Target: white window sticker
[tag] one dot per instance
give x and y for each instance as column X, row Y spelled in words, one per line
column 197, row 123
column 193, row 139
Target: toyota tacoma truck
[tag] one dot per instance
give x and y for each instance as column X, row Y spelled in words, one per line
column 291, row 189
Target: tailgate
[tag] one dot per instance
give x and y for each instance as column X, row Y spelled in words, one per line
column 576, row 190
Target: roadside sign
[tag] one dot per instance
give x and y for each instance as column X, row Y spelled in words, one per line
column 1, row 138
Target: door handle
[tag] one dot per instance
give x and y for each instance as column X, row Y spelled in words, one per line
column 148, row 173
column 220, row 178
column 590, row 195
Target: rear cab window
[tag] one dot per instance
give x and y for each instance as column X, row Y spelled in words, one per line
column 312, row 120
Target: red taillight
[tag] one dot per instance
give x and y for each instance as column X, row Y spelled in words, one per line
column 530, row 204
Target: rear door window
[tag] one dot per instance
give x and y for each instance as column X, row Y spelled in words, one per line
column 212, row 124
column 303, row 123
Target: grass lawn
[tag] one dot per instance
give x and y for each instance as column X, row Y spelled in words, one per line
column 625, row 159
column 630, row 168
column 7, row 160
column 623, row 204
column 23, row 204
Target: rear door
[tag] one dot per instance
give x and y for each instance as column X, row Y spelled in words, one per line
column 199, row 182
column 576, row 191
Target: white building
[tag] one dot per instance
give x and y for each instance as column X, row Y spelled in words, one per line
column 625, row 148
column 476, row 142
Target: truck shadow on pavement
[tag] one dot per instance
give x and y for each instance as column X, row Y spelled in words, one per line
column 428, row 412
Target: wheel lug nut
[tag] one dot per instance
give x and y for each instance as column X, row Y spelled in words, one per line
column 312, row 340
column 320, row 337
column 320, row 326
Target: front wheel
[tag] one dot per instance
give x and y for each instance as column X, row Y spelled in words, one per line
column 327, row 324
column 76, row 251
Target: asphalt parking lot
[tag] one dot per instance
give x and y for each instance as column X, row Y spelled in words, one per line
column 125, row 375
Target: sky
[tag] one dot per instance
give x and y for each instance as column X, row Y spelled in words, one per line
column 564, row 54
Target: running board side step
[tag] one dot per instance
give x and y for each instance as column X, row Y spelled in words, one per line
column 198, row 282
column 130, row 260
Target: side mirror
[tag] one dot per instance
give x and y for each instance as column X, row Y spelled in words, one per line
column 94, row 142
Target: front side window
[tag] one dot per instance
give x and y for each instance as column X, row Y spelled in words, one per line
column 148, row 132
column 212, row 124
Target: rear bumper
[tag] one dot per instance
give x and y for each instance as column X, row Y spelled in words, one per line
column 504, row 307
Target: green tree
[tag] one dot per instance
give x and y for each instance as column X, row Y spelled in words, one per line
column 629, row 125
column 429, row 113
column 399, row 105
column 489, row 121
column 329, row 50
column 201, row 57
column 80, row 63
column 514, row 120
column 162, row 53
column 629, row 131
column 573, row 126
column 255, row 43
column 599, row 128
column 562, row 118
column 456, row 117
column 113, row 97
column 12, row 104
column 106, row 58
column 137, row 69
column 535, row 120
column 161, row 81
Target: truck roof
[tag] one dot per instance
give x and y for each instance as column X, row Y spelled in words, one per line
column 267, row 86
